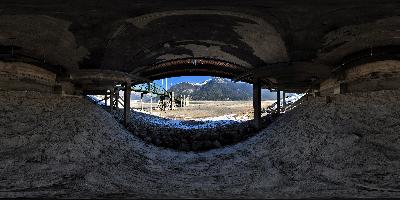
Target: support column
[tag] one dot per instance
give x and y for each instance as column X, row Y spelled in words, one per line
column 105, row 99
column 151, row 103
column 141, row 101
column 284, row 100
column 112, row 94
column 340, row 88
column 127, row 103
column 172, row 100
column 257, row 103
column 278, row 101
column 116, row 97
column 181, row 101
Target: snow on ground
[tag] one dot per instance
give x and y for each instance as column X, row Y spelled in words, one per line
column 293, row 98
column 202, row 123
column 96, row 99
column 289, row 100
column 211, row 122
column 231, row 117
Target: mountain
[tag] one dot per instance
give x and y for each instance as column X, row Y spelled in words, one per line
column 218, row 89
column 185, row 89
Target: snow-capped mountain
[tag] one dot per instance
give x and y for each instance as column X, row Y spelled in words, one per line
column 218, row 89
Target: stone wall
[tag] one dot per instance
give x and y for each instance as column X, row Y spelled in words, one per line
column 373, row 76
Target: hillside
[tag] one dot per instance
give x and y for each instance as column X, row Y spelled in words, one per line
column 218, row 89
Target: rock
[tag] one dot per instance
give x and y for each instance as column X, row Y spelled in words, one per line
column 197, row 145
column 216, row 144
column 148, row 139
column 184, row 147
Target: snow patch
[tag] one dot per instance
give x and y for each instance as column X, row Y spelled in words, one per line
column 289, row 100
column 231, row 117
column 96, row 100
column 202, row 83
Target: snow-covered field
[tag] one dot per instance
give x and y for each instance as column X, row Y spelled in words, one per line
column 211, row 122
column 208, row 110
column 201, row 114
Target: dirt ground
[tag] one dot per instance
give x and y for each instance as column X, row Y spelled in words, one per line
column 205, row 109
column 67, row 147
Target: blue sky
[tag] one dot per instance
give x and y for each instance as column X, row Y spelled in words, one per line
column 190, row 79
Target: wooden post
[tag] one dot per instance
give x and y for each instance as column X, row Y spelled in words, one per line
column 116, row 97
column 112, row 94
column 172, row 100
column 151, row 103
column 127, row 103
column 340, row 88
column 141, row 101
column 105, row 99
column 181, row 101
column 284, row 100
column 257, row 103
column 278, row 101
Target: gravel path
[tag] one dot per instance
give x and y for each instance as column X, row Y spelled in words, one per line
column 67, row 147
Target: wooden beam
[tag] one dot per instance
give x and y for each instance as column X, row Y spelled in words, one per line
column 100, row 75
column 120, row 102
column 261, row 69
column 95, row 92
column 282, row 73
column 138, row 79
column 243, row 76
column 300, row 69
column 105, row 99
